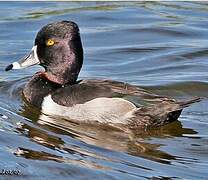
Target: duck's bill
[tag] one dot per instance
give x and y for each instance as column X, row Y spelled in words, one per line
column 29, row 60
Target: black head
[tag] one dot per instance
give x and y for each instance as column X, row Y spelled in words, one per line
column 58, row 49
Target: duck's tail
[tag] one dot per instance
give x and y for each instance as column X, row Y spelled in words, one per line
column 185, row 104
column 174, row 115
column 160, row 114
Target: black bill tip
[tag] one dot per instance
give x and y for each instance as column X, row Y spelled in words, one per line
column 9, row 67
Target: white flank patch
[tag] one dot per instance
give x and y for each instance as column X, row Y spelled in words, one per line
column 113, row 110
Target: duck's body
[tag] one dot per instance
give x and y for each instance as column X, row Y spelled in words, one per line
column 102, row 101
column 57, row 92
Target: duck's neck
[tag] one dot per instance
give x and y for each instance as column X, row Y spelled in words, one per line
column 62, row 77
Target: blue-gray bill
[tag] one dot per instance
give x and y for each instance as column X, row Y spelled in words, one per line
column 29, row 60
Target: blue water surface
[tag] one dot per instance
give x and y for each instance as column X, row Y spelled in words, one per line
column 160, row 46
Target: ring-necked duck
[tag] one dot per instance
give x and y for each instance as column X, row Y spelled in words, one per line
column 56, row 91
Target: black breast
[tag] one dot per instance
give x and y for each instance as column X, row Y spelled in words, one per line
column 37, row 88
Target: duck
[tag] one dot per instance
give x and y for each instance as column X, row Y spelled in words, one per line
column 57, row 91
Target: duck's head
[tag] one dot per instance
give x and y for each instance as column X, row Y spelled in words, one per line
column 58, row 49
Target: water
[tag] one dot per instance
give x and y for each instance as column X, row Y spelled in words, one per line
column 161, row 46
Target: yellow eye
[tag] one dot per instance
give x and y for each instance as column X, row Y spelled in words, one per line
column 50, row 42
